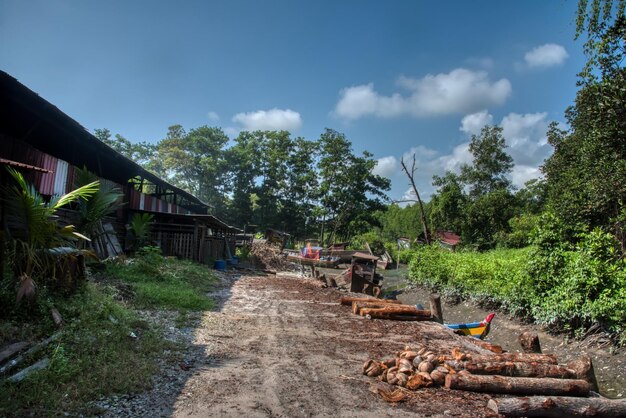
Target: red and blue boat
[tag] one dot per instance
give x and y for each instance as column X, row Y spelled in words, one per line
column 474, row 329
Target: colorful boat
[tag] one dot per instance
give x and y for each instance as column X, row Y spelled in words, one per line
column 474, row 329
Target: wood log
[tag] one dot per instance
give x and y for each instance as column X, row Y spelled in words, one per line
column 56, row 317
column 484, row 344
column 22, row 374
column 435, row 308
column 11, row 350
column 517, row 369
column 529, row 342
column 13, row 363
column 558, row 407
column 517, row 357
column 583, row 369
column 376, row 304
column 517, row 385
column 395, row 310
column 347, row 300
column 396, row 317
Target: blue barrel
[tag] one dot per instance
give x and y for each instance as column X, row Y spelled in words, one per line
column 219, row 265
column 234, row 261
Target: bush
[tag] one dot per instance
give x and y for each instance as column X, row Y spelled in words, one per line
column 563, row 286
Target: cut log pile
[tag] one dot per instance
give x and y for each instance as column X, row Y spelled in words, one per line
column 499, row 373
column 373, row 308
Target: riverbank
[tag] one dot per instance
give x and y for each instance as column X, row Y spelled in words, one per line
column 609, row 362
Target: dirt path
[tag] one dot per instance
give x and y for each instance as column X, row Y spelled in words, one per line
column 283, row 347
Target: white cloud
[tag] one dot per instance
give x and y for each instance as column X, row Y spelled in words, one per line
column 525, row 136
column 386, row 166
column 213, row 116
column 273, row 119
column 459, row 91
column 472, row 124
column 544, row 56
column 523, row 173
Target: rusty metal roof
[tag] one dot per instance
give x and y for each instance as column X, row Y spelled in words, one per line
column 28, row 117
column 22, row 165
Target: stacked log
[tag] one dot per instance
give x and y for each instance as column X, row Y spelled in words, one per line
column 386, row 309
column 505, row 373
column 558, row 407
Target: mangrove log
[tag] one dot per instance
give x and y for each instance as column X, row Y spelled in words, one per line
column 517, row 369
column 517, row 385
column 516, row 357
column 529, row 342
column 484, row 344
column 395, row 310
column 347, row 300
column 558, row 407
column 583, row 369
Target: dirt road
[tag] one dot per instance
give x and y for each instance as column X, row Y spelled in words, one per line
column 283, row 347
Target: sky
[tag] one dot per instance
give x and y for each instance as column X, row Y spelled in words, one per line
column 398, row 78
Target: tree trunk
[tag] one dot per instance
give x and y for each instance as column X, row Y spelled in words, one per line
column 517, row 369
column 558, row 407
column 347, row 300
column 517, row 385
column 521, row 357
column 529, row 342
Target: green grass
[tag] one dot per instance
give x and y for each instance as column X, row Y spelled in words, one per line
column 95, row 355
column 90, row 359
column 171, row 284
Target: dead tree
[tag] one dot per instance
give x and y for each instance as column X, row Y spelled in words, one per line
column 411, row 176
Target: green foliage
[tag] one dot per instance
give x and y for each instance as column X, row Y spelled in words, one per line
column 91, row 211
column 373, row 239
column 34, row 231
column 566, row 288
column 140, row 227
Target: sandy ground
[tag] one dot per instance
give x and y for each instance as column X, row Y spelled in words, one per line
column 281, row 346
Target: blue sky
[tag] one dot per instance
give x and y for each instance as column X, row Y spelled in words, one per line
column 397, row 77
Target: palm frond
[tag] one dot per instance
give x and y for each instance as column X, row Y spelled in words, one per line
column 82, row 192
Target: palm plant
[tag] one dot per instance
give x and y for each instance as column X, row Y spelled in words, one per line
column 93, row 210
column 33, row 228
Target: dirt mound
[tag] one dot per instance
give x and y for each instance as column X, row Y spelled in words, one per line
column 267, row 256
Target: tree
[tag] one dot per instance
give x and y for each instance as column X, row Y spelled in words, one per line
column 244, row 167
column 587, row 172
column 195, row 161
column 491, row 165
column 448, row 203
column 349, row 192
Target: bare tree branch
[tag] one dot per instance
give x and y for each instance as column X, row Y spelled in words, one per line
column 411, row 176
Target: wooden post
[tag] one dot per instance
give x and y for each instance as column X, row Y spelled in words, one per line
column 558, row 407
column 517, row 385
column 435, row 308
column 529, row 342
